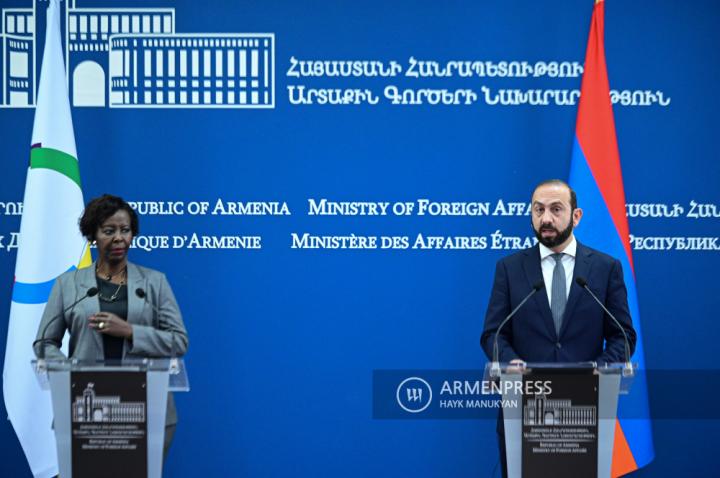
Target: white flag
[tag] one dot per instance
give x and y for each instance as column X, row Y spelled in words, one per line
column 49, row 244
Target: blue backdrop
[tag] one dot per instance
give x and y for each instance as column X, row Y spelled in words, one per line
column 284, row 339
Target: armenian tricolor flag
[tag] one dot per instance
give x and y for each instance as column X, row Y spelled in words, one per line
column 596, row 176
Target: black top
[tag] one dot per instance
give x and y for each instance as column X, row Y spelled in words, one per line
column 113, row 345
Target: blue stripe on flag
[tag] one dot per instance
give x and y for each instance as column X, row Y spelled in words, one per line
column 597, row 230
column 33, row 293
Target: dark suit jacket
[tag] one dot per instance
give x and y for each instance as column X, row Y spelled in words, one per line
column 587, row 332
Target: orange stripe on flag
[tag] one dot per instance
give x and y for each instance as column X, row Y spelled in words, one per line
column 622, row 460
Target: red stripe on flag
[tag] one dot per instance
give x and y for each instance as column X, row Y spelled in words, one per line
column 595, row 128
column 622, row 460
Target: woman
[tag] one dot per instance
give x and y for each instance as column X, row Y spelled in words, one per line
column 133, row 315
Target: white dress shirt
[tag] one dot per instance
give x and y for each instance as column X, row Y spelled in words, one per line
column 547, row 262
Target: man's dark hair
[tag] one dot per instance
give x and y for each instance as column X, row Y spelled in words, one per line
column 100, row 209
column 558, row 182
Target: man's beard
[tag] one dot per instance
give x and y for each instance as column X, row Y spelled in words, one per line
column 560, row 236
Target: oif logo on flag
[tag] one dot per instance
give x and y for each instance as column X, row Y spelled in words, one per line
column 52, row 204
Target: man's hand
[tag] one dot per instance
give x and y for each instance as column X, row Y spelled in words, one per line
column 516, row 366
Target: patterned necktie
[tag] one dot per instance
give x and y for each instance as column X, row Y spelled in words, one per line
column 559, row 294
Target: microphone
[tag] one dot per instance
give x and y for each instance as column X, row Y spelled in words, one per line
column 174, row 367
column 91, row 292
column 141, row 294
column 495, row 367
column 628, row 370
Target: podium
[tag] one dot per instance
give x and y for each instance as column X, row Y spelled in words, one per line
column 559, row 418
column 109, row 416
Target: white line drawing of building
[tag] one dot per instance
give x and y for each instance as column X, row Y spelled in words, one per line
column 212, row 70
column 133, row 58
column 18, row 57
column 547, row 411
column 90, row 407
column 87, row 45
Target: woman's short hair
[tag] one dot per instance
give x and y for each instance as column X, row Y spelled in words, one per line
column 100, row 209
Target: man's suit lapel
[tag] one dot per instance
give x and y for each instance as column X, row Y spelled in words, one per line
column 583, row 264
column 533, row 271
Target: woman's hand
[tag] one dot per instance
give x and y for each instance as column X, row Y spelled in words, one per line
column 110, row 324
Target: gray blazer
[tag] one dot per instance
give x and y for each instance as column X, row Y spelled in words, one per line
column 154, row 334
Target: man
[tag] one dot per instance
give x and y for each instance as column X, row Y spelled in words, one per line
column 561, row 322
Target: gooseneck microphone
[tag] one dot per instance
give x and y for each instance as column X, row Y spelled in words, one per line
column 628, row 370
column 174, row 368
column 495, row 367
column 92, row 291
